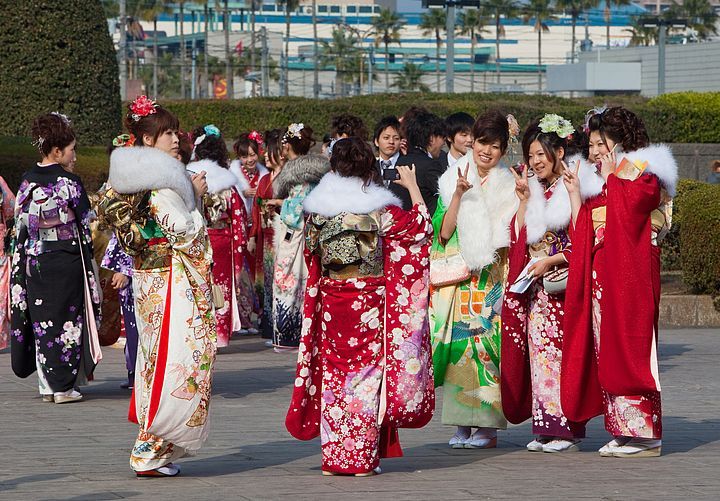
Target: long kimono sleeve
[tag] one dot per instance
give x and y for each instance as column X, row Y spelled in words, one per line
column 408, row 364
column 116, row 259
column 515, row 378
column 185, row 229
column 631, row 288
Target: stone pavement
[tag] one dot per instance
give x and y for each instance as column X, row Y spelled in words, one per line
column 80, row 451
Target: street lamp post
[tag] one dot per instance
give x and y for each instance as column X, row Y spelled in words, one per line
column 662, row 25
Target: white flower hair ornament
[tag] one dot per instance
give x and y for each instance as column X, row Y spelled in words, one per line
column 293, row 131
column 557, row 124
column 598, row 110
column 62, row 117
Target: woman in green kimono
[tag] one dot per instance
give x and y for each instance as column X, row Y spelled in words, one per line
column 468, row 273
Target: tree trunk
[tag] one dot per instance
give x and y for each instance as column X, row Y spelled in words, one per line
column 286, row 86
column 540, row 58
column 316, row 63
column 472, row 61
column 228, row 55
column 437, row 60
column 572, row 47
column 155, row 59
column 182, row 50
column 252, row 44
column 497, row 46
column 387, row 66
column 607, row 24
column 206, row 69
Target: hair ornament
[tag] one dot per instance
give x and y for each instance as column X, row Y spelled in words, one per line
column 293, row 131
column 513, row 127
column 38, row 143
column 123, row 140
column 555, row 123
column 598, row 110
column 210, row 130
column 256, row 136
column 142, row 107
column 64, row 118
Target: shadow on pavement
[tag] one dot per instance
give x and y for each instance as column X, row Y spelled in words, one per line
column 11, row 483
column 681, row 434
column 438, row 455
column 239, row 384
column 97, row 496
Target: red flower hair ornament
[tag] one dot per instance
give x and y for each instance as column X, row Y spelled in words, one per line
column 142, row 107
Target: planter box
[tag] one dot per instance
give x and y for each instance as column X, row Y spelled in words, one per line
column 688, row 311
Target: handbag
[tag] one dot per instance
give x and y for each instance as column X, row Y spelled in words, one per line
column 555, row 280
column 218, row 297
column 448, row 269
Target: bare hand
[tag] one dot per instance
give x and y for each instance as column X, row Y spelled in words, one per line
column 199, row 183
column 608, row 164
column 462, row 185
column 540, row 268
column 571, row 179
column 251, row 245
column 249, row 193
column 522, row 188
column 273, row 203
column 403, row 146
column 119, row 281
column 407, row 177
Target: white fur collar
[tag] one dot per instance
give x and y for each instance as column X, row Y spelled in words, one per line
column 138, row 168
column 660, row 162
column 336, row 194
column 483, row 221
column 554, row 213
column 242, row 182
column 218, row 178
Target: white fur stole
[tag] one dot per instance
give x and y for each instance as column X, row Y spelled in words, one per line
column 336, row 194
column 218, row 179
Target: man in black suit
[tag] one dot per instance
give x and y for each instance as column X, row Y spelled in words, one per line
column 387, row 141
column 422, row 131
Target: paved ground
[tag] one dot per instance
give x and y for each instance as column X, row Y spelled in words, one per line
column 80, row 451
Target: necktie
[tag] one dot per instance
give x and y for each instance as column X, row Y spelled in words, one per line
column 385, row 164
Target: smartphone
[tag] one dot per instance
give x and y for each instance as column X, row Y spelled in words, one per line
column 390, row 175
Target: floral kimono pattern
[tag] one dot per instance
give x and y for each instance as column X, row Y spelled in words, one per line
column 227, row 228
column 465, row 320
column 290, row 270
column 264, row 260
column 7, row 206
column 364, row 363
column 54, row 294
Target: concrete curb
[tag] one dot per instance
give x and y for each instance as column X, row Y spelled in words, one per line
column 688, row 311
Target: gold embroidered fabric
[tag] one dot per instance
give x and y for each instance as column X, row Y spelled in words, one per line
column 348, row 244
column 216, row 209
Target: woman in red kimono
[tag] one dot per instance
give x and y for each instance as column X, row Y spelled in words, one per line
column 532, row 320
column 261, row 230
column 609, row 361
column 226, row 220
column 364, row 367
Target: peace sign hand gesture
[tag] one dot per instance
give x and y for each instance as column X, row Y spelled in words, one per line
column 522, row 188
column 463, row 185
column 571, row 179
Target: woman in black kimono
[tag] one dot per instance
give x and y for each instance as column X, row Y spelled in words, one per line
column 53, row 292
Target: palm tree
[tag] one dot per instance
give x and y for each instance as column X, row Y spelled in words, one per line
column 472, row 22
column 387, row 26
column 608, row 15
column 539, row 11
column 700, row 15
column 340, row 52
column 575, row 8
column 496, row 8
column 290, row 6
column 641, row 35
column 409, row 79
column 432, row 22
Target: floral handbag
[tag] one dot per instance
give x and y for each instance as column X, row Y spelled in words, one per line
column 447, row 269
column 555, row 280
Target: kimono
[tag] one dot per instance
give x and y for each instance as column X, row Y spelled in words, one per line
column 7, row 207
column 54, row 293
column 465, row 317
column 364, row 364
column 532, row 334
column 245, row 181
column 152, row 209
column 117, row 260
column 295, row 181
column 226, row 220
column 612, row 299
column 264, row 259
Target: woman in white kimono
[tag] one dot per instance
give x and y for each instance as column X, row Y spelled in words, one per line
column 152, row 208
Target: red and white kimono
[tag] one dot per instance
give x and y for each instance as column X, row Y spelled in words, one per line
column 612, row 299
column 364, row 364
column 226, row 221
column 532, row 334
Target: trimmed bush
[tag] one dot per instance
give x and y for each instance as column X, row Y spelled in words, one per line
column 699, row 221
column 684, row 117
column 670, row 256
column 58, row 56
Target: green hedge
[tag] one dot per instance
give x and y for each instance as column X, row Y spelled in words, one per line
column 699, row 221
column 675, row 118
column 58, row 56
